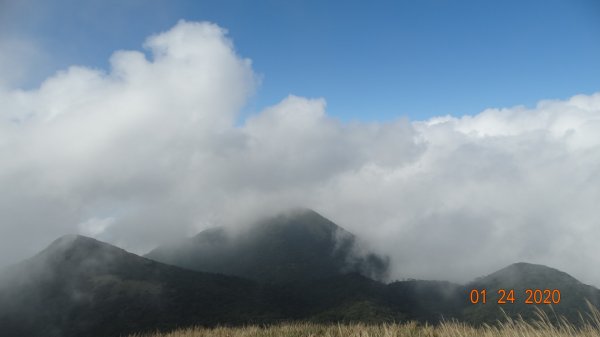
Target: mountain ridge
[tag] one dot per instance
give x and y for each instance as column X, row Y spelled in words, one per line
column 525, row 270
column 531, row 285
column 82, row 286
column 300, row 245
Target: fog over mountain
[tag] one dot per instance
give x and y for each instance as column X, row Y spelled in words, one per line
column 291, row 248
column 79, row 286
column 153, row 150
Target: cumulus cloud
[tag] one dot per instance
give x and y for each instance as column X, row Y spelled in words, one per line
column 151, row 150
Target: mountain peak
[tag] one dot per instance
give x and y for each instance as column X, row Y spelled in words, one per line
column 69, row 240
column 528, row 275
column 72, row 252
column 296, row 245
column 528, row 266
column 302, row 216
column 528, row 269
column 75, row 242
column 303, row 211
column 79, row 286
column 300, row 221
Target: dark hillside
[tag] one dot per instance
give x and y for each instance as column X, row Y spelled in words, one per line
column 522, row 276
column 296, row 247
column 79, row 286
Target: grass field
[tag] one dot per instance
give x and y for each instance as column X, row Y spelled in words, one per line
column 541, row 327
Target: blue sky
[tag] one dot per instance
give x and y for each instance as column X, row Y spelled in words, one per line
column 370, row 60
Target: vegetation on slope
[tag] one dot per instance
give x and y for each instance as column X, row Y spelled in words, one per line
column 79, row 286
column 522, row 276
column 295, row 247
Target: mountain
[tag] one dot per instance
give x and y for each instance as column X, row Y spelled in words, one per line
column 522, row 276
column 430, row 301
column 79, row 286
column 357, row 298
column 296, row 247
column 347, row 298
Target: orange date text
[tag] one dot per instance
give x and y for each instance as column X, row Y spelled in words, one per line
column 507, row 296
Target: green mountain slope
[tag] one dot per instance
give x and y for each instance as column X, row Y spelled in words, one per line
column 430, row 301
column 522, row 276
column 82, row 287
column 296, row 247
column 79, row 286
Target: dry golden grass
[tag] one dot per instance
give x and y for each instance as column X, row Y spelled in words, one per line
column 541, row 327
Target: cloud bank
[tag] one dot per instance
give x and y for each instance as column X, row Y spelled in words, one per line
column 152, row 150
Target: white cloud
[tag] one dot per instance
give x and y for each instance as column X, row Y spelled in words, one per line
column 95, row 227
column 151, row 150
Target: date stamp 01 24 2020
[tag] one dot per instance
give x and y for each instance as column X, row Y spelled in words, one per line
column 507, row 296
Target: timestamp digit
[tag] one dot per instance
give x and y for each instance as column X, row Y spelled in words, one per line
column 537, row 296
column 475, row 297
column 555, row 296
column 511, row 296
column 506, row 296
column 529, row 293
column 547, row 295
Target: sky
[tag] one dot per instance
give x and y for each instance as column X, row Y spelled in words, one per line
column 371, row 62
column 456, row 137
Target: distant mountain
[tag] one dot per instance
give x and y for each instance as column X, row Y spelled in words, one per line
column 79, row 286
column 82, row 287
column 348, row 297
column 298, row 246
column 522, row 276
